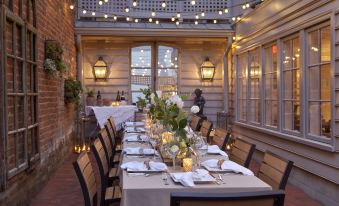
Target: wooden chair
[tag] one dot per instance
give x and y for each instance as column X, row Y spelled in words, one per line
column 221, row 137
column 105, row 141
column 265, row 198
column 86, row 176
column 275, row 171
column 206, row 129
column 107, row 175
column 115, row 153
column 242, row 152
column 195, row 123
column 111, row 122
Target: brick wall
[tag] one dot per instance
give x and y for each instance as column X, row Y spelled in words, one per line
column 56, row 120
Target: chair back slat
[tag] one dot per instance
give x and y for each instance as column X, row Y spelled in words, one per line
column 275, row 170
column 220, row 137
column 86, row 176
column 112, row 123
column 263, row 198
column 100, row 154
column 206, row 128
column 111, row 135
column 104, row 138
column 242, row 152
column 195, row 123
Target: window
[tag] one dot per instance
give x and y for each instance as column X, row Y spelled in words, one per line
column 254, row 82
column 319, row 82
column 21, row 98
column 143, row 74
column 271, row 86
column 242, row 86
column 291, row 84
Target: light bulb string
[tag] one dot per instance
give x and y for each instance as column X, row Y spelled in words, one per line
column 164, row 12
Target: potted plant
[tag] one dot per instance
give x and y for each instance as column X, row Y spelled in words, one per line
column 141, row 104
column 90, row 99
column 53, row 58
column 72, row 91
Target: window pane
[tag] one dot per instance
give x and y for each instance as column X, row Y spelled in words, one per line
column 314, row 118
column 167, row 67
column 326, row 119
column 295, row 56
column 255, row 72
column 254, row 114
column 314, row 83
column 325, row 44
column 287, row 63
column 141, row 70
column 313, row 48
column 325, row 76
column 242, row 82
column 288, row 85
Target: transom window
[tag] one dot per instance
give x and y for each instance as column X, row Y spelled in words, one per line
column 154, row 66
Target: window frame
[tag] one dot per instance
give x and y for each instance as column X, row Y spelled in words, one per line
column 26, row 27
column 317, row 28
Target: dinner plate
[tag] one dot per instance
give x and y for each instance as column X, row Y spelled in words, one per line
column 205, row 179
column 144, row 171
column 213, row 169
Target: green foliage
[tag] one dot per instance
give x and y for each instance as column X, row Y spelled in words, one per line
column 72, row 90
column 90, row 92
column 54, row 53
column 141, row 103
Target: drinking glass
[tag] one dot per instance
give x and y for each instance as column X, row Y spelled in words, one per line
column 172, row 154
column 201, row 148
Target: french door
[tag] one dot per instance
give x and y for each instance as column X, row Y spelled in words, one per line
column 156, row 66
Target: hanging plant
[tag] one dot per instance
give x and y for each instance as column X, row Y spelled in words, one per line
column 73, row 90
column 53, row 57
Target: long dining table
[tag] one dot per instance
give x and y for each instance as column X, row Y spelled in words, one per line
column 139, row 189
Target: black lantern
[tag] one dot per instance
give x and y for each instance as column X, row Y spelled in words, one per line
column 100, row 70
column 207, row 70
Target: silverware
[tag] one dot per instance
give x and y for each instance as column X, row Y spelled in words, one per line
column 164, row 178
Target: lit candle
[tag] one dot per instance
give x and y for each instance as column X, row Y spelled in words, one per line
column 167, row 137
column 187, row 164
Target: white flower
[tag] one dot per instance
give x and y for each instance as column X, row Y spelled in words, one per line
column 174, row 148
column 152, row 98
column 175, row 100
column 159, row 93
column 195, row 109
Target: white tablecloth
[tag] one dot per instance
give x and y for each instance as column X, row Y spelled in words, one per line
column 120, row 114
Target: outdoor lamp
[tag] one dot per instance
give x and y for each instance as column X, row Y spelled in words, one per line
column 100, row 70
column 207, row 70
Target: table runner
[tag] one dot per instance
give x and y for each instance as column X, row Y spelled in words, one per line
column 150, row 191
column 120, row 114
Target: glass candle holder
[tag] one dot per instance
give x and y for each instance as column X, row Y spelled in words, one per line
column 167, row 137
column 187, row 164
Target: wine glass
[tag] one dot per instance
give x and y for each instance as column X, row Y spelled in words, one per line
column 154, row 141
column 201, row 148
column 172, row 151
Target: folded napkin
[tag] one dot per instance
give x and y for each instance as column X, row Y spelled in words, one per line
column 227, row 166
column 134, row 124
column 135, row 138
column 157, row 166
column 187, row 178
column 135, row 129
column 134, row 166
column 214, row 149
column 139, row 151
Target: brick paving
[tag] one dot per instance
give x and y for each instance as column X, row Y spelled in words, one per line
column 64, row 189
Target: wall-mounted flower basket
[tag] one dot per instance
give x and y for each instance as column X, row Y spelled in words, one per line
column 53, row 57
column 72, row 91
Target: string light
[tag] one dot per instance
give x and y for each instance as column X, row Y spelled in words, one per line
column 178, row 15
column 177, row 22
column 233, row 18
column 202, row 14
column 84, row 11
column 71, row 6
column 115, row 18
column 153, row 13
column 128, row 19
column 196, row 22
column 215, row 21
column 220, row 12
column 100, row 2
column 134, row 3
column 238, row 18
column 150, row 20
column 163, row 4
column 173, row 19
column 126, row 9
column 106, row 16
column 193, row 2
column 105, row 1
column 226, row 10
column 93, row 13
column 136, row 20
column 157, row 21
column 197, row 16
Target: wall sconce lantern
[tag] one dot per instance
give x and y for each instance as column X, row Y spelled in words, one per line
column 100, row 70
column 207, row 70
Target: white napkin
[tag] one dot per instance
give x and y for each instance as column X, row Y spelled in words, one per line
column 135, row 129
column 157, row 166
column 187, row 178
column 228, row 166
column 139, row 151
column 135, row 138
column 214, row 149
column 134, row 124
column 134, row 166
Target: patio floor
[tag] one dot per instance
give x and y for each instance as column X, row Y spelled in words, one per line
column 64, row 189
